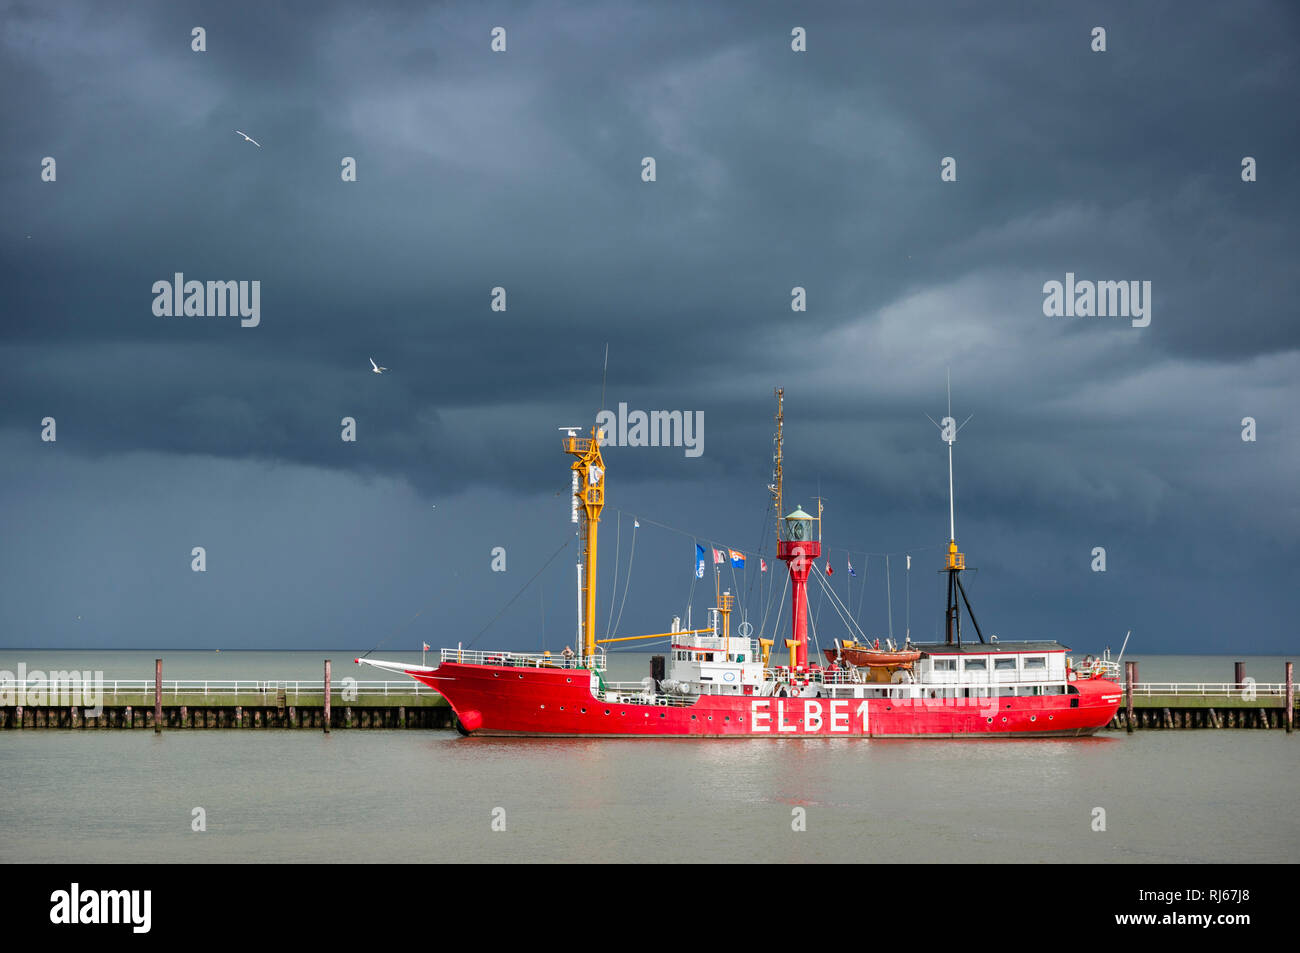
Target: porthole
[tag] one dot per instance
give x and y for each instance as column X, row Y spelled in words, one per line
column 561, row 708
column 1033, row 717
column 496, row 674
column 541, row 706
column 584, row 711
column 989, row 720
column 568, row 679
column 1004, row 718
column 693, row 717
column 521, row 674
column 607, row 711
column 662, row 715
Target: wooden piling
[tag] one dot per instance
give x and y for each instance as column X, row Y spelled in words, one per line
column 1130, row 676
column 1290, row 698
column 157, row 696
column 1239, row 673
column 327, row 696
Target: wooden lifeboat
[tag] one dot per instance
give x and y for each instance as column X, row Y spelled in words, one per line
column 870, row 656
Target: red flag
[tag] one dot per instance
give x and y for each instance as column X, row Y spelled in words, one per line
column 717, row 556
column 762, row 565
column 830, row 570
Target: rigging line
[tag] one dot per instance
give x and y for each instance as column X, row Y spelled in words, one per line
column 762, row 541
column 519, row 593
column 767, row 606
column 858, row 552
column 889, row 598
column 618, row 533
column 690, row 596
column 401, row 628
column 836, row 600
column 862, row 592
column 627, row 584
column 826, row 587
column 776, row 620
column 691, row 535
column 398, row 630
column 818, row 613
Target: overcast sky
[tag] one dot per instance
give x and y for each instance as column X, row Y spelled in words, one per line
column 523, row 170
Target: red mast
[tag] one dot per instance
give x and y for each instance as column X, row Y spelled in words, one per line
column 795, row 545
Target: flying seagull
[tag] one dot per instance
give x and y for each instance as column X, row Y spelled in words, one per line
column 378, row 369
column 250, row 139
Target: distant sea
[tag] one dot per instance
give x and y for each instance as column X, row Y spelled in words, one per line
column 352, row 796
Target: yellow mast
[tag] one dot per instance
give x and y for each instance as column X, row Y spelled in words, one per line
column 590, row 495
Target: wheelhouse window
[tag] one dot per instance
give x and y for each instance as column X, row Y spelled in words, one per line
column 1036, row 662
column 945, row 665
column 975, row 665
column 1004, row 665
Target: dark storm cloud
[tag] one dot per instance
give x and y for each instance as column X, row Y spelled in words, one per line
column 775, row 169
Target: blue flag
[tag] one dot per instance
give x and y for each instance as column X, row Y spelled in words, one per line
column 699, row 561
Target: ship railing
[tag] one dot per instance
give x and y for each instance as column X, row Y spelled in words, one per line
column 735, row 644
column 1105, row 667
column 522, row 659
column 820, row 676
column 111, row 687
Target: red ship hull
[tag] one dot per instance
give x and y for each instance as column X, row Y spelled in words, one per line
column 502, row 701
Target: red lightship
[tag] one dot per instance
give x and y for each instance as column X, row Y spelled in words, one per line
column 717, row 684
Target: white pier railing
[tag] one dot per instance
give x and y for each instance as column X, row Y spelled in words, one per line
column 292, row 688
column 1210, row 689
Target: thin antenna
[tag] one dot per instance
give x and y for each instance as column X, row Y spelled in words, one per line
column 948, row 434
column 604, row 375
